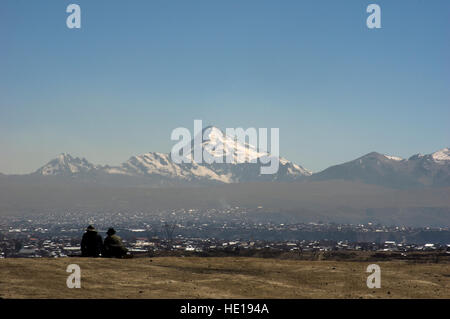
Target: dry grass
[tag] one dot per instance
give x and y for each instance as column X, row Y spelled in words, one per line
column 228, row 277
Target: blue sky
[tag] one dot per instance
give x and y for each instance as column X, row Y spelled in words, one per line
column 138, row 69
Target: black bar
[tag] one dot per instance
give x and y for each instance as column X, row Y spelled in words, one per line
column 225, row 308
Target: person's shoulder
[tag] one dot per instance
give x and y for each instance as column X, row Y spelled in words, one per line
column 116, row 237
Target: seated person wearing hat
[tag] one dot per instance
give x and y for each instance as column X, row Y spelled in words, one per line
column 113, row 246
column 91, row 243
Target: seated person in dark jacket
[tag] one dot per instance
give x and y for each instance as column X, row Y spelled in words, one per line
column 113, row 246
column 91, row 243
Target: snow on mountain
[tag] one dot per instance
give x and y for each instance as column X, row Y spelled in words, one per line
column 160, row 164
column 237, row 161
column 374, row 168
column 395, row 158
column 295, row 169
column 416, row 157
column 217, row 144
column 151, row 163
column 442, row 155
column 244, row 166
column 65, row 164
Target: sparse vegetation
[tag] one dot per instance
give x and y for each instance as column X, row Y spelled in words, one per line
column 220, row 277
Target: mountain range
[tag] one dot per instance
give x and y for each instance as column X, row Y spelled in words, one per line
column 155, row 168
column 158, row 169
column 431, row 170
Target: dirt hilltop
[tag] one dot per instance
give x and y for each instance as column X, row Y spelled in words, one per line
column 223, row 277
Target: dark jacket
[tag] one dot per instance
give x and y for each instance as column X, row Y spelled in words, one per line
column 91, row 244
column 113, row 247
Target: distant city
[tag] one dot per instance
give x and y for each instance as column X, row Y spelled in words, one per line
column 232, row 230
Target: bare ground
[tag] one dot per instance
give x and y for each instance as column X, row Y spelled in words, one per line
column 222, row 277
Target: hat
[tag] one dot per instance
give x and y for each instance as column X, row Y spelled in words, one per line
column 90, row 228
column 111, row 231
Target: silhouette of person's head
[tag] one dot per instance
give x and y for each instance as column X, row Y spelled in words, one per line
column 90, row 228
column 111, row 231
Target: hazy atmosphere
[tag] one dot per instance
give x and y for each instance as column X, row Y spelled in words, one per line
column 118, row 86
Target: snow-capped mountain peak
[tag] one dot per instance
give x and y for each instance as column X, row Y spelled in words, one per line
column 224, row 158
column 217, row 144
column 65, row 164
column 159, row 168
column 151, row 163
column 442, row 155
column 212, row 134
column 374, row 168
